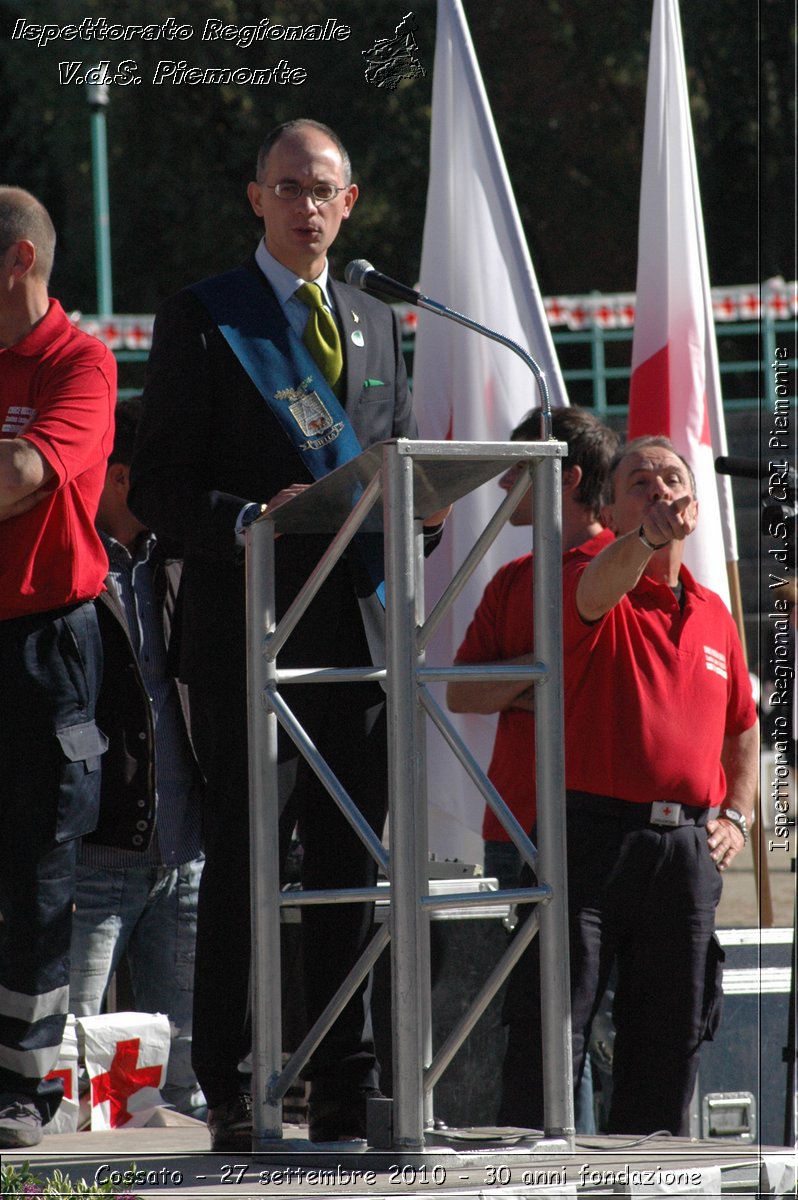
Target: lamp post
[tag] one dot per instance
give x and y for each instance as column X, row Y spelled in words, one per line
column 98, row 102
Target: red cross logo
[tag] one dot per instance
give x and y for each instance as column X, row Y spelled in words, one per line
column 136, row 337
column 554, row 311
column 667, row 810
column 110, row 334
column 66, row 1078
column 123, row 1079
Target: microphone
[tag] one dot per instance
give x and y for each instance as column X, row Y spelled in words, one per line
column 744, row 468
column 360, row 274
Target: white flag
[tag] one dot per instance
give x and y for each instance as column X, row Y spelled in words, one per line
column 675, row 387
column 466, row 387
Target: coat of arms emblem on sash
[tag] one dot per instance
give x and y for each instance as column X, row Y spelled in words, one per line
column 311, row 415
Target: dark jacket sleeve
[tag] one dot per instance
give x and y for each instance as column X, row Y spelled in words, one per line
column 182, row 414
column 127, row 796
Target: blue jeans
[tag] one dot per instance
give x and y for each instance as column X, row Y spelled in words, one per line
column 150, row 913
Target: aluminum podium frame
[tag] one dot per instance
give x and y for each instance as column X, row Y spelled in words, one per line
column 412, row 479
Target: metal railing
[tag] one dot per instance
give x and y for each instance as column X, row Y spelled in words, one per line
column 593, row 337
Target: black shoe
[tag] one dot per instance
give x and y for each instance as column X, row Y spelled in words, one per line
column 230, row 1124
column 342, row 1119
column 20, row 1121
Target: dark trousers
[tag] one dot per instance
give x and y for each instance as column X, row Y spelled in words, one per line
column 50, row 668
column 642, row 897
column 347, row 723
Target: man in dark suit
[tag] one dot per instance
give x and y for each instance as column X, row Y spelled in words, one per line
column 250, row 395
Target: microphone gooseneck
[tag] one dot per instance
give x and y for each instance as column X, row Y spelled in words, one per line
column 361, row 274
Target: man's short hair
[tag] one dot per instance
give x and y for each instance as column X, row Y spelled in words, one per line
column 127, row 415
column 591, row 446
column 637, row 445
column 289, row 127
column 23, row 218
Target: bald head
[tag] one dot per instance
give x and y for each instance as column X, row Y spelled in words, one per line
column 290, row 129
column 24, row 219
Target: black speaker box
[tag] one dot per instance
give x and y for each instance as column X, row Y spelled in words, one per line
column 746, row 1078
column 463, row 952
column 464, row 948
column 745, row 1090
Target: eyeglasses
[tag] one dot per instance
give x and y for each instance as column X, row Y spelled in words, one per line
column 320, row 193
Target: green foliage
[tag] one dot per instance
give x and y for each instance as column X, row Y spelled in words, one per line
column 20, row 1181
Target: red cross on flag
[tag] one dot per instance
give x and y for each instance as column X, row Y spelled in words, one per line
column 126, row 1055
column 675, row 387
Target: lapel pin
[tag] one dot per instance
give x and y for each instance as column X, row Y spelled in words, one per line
column 357, row 338
column 355, row 317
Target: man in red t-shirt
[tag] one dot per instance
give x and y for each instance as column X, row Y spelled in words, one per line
column 501, row 629
column 662, row 751
column 57, row 396
column 502, row 632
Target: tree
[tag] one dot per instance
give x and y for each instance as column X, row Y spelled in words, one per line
column 567, row 88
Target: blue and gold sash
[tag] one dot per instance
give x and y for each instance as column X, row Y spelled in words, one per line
column 282, row 369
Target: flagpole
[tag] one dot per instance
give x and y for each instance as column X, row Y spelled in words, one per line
column 758, row 845
column 675, row 387
column 726, row 505
column 728, row 527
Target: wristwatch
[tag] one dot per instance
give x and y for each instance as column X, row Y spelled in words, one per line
column 641, row 533
column 249, row 514
column 737, row 818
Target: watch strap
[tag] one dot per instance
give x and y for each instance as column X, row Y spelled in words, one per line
column 738, row 819
column 650, row 545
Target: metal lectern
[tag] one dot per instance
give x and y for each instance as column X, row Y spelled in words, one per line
column 392, row 486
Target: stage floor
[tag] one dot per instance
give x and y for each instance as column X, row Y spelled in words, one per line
column 175, row 1160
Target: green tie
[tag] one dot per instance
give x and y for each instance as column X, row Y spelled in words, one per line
column 321, row 334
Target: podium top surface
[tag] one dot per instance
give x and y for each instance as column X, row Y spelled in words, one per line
column 443, row 472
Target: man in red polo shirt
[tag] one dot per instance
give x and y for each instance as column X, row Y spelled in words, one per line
column 57, row 396
column 501, row 628
column 662, row 750
column 501, row 631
